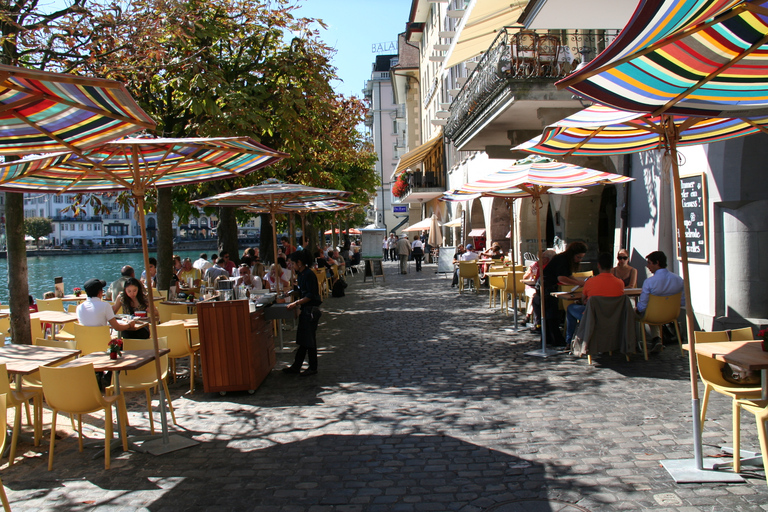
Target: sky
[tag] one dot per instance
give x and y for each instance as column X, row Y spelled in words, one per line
column 354, row 26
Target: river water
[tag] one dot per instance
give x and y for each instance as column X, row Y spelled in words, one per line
column 77, row 269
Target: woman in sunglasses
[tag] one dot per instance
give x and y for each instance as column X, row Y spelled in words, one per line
column 624, row 271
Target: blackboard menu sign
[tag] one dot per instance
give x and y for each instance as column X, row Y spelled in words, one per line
column 694, row 197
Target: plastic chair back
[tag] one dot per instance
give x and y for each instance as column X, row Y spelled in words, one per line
column 92, row 339
column 175, row 335
column 43, row 342
column 5, row 384
column 71, row 389
column 662, row 310
column 71, row 308
column 166, row 310
column 468, row 270
column 5, row 325
column 743, row 334
column 710, row 369
column 194, row 334
column 3, row 421
column 586, row 273
column 50, row 305
column 146, row 374
column 37, row 328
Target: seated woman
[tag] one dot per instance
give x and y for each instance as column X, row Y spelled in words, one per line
column 532, row 274
column 494, row 252
column 129, row 302
column 270, row 278
column 624, row 271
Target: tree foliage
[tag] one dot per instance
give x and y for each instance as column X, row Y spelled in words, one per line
column 38, row 227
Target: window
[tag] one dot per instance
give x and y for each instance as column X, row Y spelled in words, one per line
column 88, row 227
column 42, row 213
column 81, row 226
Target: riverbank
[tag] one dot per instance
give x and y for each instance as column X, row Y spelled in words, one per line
column 209, row 245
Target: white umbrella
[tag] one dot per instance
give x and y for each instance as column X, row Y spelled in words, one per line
column 435, row 235
column 422, row 225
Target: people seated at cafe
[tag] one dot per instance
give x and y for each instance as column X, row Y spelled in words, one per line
column 662, row 283
column 532, row 274
column 152, row 272
column 604, row 284
column 288, row 249
column 559, row 271
column 94, row 312
column 456, row 259
column 494, row 252
column 624, row 271
column 215, row 271
column 202, row 264
column 32, row 304
column 177, row 265
column 276, row 272
column 188, row 272
column 117, row 286
column 229, row 265
column 247, row 279
column 287, row 271
column 134, row 301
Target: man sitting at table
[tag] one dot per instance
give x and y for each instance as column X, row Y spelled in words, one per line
column 604, row 284
column 662, row 283
column 188, row 272
column 94, row 312
column 116, row 288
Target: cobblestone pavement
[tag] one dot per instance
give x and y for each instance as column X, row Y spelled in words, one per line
column 422, row 403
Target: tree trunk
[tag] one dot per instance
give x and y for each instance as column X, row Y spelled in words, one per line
column 311, row 236
column 18, row 284
column 266, row 248
column 164, row 238
column 227, row 233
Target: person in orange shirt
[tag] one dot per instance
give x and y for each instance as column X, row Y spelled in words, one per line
column 604, row 284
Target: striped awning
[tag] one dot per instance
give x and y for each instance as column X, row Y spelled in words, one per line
column 702, row 58
column 477, row 232
column 43, row 112
column 600, row 130
column 416, row 156
column 138, row 164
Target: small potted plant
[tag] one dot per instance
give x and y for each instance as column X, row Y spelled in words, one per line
column 77, row 292
column 763, row 334
column 115, row 348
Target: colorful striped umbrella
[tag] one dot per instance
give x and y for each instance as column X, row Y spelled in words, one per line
column 701, row 58
column 271, row 196
column 696, row 58
column 138, row 165
column 601, row 130
column 43, row 112
column 533, row 177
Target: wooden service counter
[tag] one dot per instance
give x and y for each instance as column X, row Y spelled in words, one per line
column 236, row 346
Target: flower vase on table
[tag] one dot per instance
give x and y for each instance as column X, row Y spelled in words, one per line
column 763, row 334
column 115, row 348
column 76, row 292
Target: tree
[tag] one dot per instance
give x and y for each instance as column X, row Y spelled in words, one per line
column 38, row 227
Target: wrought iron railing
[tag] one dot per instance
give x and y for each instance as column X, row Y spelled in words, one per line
column 519, row 55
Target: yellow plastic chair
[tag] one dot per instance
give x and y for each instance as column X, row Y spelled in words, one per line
column 3, row 426
column 194, row 333
column 180, row 346
column 32, row 381
column 91, row 339
column 16, row 399
column 661, row 311
column 161, row 293
column 74, row 390
column 743, row 334
column 72, row 308
column 50, row 305
column 710, row 371
column 468, row 270
column 322, row 282
column 36, row 326
column 166, row 310
column 145, row 378
column 760, row 409
column 496, row 286
column 5, row 326
column 514, row 288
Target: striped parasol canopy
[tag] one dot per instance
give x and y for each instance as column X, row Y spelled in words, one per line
column 43, row 112
column 601, row 130
column 302, row 207
column 138, row 164
column 703, row 58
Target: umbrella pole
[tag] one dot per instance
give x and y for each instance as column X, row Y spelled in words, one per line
column 544, row 352
column 511, row 205
column 274, row 250
column 303, row 231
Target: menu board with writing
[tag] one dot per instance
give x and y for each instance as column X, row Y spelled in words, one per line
column 694, row 197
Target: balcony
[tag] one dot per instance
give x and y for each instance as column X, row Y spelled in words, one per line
column 79, row 218
column 423, row 186
column 511, row 89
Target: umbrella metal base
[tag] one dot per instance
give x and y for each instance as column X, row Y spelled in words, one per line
column 543, row 352
column 156, row 445
column 685, row 471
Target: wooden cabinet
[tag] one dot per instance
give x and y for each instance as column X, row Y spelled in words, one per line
column 236, row 346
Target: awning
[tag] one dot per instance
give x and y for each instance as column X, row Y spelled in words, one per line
column 477, row 232
column 416, row 156
column 453, row 224
column 480, row 25
column 422, row 225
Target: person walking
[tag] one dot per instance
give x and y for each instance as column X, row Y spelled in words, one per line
column 385, row 248
column 309, row 316
column 417, row 248
column 392, row 247
column 403, row 252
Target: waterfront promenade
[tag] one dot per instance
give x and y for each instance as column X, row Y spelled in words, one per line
column 421, row 403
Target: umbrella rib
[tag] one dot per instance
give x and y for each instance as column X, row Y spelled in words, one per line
column 710, row 76
column 17, row 104
column 650, row 128
column 157, row 175
column 676, row 36
column 750, row 122
column 93, row 110
column 584, row 141
column 66, row 144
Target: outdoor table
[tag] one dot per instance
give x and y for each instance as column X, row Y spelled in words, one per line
column 629, row 292
column 129, row 360
column 55, row 318
column 747, row 354
column 4, row 314
column 74, row 298
column 22, row 360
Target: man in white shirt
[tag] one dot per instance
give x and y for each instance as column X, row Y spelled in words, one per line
column 469, row 254
column 94, row 312
column 202, row 264
column 662, row 283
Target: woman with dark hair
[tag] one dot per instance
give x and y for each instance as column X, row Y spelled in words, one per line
column 309, row 302
column 560, row 271
column 132, row 300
